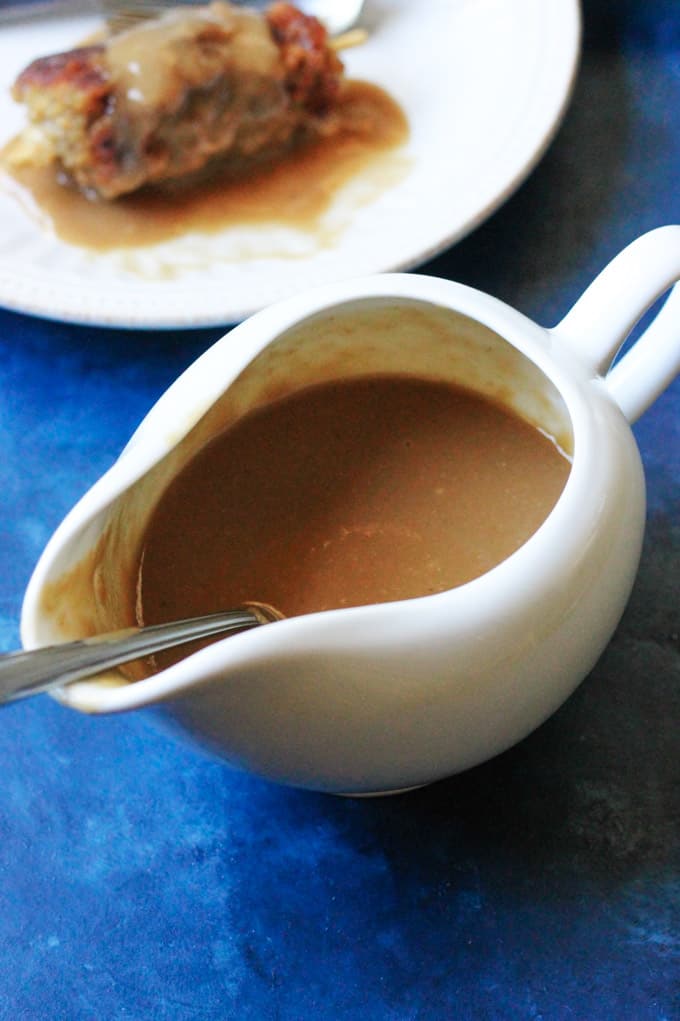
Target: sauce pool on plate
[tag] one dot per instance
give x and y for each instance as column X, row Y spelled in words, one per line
column 295, row 191
column 346, row 493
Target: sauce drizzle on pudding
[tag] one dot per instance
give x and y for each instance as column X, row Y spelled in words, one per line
column 345, row 493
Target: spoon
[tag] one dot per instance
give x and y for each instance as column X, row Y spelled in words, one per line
column 337, row 16
column 29, row 673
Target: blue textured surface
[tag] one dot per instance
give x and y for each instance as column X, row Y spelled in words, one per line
column 138, row 880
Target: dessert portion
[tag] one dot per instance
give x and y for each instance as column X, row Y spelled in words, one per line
column 173, row 97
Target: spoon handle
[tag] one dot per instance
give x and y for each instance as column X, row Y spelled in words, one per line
column 28, row 673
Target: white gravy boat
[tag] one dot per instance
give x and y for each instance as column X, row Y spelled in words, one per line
column 389, row 696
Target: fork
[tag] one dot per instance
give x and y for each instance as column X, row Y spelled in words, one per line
column 338, row 16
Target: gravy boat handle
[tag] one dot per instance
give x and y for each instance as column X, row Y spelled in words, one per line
column 609, row 308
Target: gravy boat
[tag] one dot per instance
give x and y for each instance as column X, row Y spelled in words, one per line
column 389, row 696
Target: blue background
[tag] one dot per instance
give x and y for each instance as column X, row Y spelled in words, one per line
column 138, row 880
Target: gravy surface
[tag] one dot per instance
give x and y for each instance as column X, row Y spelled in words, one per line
column 346, row 493
column 295, row 191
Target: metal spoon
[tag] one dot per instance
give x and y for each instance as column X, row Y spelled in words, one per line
column 28, row 673
column 337, row 16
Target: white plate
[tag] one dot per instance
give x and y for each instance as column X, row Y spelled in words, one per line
column 483, row 83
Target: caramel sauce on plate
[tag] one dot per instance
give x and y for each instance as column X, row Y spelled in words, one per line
column 347, row 493
column 295, row 191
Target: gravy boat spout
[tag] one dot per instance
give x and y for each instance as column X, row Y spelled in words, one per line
column 391, row 695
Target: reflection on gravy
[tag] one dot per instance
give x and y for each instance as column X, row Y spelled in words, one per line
column 295, row 192
column 350, row 492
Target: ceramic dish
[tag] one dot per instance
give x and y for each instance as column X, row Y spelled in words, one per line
column 379, row 697
column 483, row 84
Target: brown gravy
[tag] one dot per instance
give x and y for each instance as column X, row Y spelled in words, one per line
column 295, row 192
column 346, row 493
